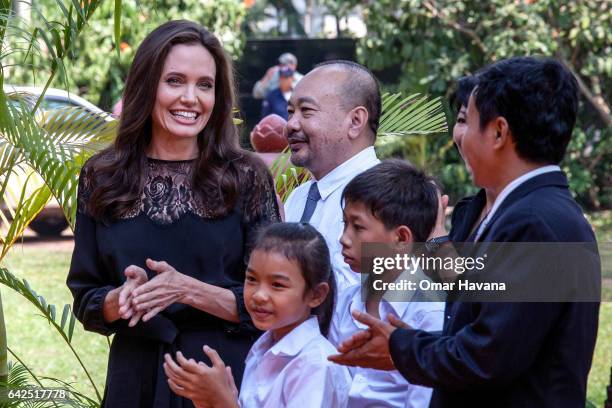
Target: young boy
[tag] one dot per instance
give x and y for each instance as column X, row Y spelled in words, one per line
column 390, row 203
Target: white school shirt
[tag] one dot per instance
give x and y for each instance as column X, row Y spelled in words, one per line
column 379, row 388
column 294, row 372
column 327, row 216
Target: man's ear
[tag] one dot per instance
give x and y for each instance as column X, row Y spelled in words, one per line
column 503, row 136
column 358, row 121
column 318, row 294
column 403, row 234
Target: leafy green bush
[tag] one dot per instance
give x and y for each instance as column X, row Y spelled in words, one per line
column 95, row 70
column 436, row 42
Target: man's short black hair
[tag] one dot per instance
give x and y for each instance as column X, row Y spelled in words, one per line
column 465, row 86
column 397, row 194
column 538, row 97
column 359, row 89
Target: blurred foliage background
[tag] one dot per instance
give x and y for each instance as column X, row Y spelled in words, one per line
column 95, row 70
column 429, row 44
column 436, row 42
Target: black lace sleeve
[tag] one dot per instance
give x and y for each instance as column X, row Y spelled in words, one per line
column 86, row 279
column 260, row 203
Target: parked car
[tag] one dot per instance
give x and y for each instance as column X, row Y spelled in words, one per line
column 51, row 220
column 54, row 98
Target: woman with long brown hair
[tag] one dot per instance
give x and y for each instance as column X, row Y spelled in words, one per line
column 174, row 193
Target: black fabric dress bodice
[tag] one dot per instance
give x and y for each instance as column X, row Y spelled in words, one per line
column 170, row 222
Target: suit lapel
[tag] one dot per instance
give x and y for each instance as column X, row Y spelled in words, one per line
column 555, row 178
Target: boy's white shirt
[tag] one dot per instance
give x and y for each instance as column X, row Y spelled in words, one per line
column 377, row 387
column 294, row 372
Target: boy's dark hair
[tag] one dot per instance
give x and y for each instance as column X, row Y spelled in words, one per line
column 538, row 97
column 460, row 97
column 305, row 245
column 397, row 194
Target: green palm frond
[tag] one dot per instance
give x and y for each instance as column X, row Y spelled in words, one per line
column 21, row 376
column 54, row 145
column 286, row 176
column 407, row 125
column 63, row 324
column 70, row 136
column 43, row 154
column 26, row 209
column 18, row 378
column 411, row 115
column 59, row 37
column 81, row 400
column 40, row 157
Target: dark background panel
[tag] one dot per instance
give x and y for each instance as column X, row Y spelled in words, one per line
column 259, row 55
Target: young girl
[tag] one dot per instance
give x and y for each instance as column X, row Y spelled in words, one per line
column 289, row 292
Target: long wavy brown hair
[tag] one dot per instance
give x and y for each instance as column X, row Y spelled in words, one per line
column 120, row 170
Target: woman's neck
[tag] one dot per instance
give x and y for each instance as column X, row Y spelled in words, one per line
column 173, row 149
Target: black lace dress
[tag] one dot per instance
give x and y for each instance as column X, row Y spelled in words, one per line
column 173, row 224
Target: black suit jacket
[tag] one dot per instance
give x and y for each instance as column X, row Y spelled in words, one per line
column 509, row 354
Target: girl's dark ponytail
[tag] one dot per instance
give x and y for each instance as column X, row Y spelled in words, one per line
column 325, row 311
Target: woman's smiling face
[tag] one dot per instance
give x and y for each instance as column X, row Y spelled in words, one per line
column 460, row 127
column 185, row 94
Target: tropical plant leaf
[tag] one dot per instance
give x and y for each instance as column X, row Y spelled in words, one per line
column 406, row 125
column 19, row 378
column 4, row 369
column 286, row 176
column 81, row 400
column 411, row 115
column 27, row 209
column 23, row 288
column 55, row 146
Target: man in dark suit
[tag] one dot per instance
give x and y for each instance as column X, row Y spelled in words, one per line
column 505, row 354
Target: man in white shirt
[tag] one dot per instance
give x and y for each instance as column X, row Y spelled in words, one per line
column 334, row 113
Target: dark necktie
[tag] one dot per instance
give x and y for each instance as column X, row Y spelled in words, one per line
column 311, row 202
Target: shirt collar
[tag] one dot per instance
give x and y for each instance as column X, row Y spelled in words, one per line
column 398, row 308
column 344, row 172
column 292, row 343
column 513, row 185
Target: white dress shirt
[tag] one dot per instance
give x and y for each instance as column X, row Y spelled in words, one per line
column 510, row 188
column 379, row 388
column 327, row 217
column 294, row 372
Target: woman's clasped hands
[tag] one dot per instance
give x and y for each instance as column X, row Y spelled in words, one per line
column 141, row 298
